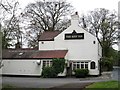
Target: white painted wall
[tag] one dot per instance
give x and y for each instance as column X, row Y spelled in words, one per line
column 46, row 45
column 21, row 67
column 78, row 49
column 24, row 67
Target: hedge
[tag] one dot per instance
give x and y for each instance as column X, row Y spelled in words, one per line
column 80, row 73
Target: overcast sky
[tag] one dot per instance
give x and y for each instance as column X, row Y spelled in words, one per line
column 83, row 6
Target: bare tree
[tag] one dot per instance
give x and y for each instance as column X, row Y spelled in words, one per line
column 10, row 28
column 103, row 24
column 46, row 16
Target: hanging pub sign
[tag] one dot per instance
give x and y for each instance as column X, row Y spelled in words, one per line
column 74, row 35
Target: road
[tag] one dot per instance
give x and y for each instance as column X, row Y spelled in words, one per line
column 23, row 82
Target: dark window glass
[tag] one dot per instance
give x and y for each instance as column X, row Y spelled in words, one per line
column 92, row 66
column 44, row 64
column 78, row 66
column 86, row 66
column 74, row 66
column 82, row 65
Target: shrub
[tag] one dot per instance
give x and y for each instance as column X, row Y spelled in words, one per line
column 81, row 72
column 58, row 65
column 107, row 64
column 48, row 72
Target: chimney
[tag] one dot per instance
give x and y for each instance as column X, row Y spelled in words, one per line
column 75, row 19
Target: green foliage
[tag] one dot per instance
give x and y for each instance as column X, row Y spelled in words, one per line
column 105, row 48
column 107, row 64
column 118, row 58
column 58, row 65
column 55, row 69
column 48, row 72
column 81, row 72
column 116, row 55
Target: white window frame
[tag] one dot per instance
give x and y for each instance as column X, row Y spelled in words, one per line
column 75, row 63
column 48, row 63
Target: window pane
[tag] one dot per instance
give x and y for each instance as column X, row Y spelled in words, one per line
column 47, row 63
column 78, row 62
column 82, row 65
column 92, row 65
column 50, row 63
column 86, row 66
column 74, row 66
column 78, row 66
column 44, row 64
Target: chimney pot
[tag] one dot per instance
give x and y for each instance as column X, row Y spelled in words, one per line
column 76, row 13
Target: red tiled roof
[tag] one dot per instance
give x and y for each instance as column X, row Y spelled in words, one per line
column 33, row 54
column 49, row 35
column 51, row 54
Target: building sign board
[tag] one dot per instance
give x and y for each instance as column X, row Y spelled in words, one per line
column 74, row 35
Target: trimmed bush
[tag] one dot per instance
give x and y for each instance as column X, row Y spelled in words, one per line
column 48, row 72
column 80, row 73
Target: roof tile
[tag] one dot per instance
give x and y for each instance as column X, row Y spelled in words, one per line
column 49, row 35
column 33, row 54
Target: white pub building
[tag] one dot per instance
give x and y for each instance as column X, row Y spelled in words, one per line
column 80, row 49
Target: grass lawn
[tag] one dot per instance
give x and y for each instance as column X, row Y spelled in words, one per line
column 107, row 84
